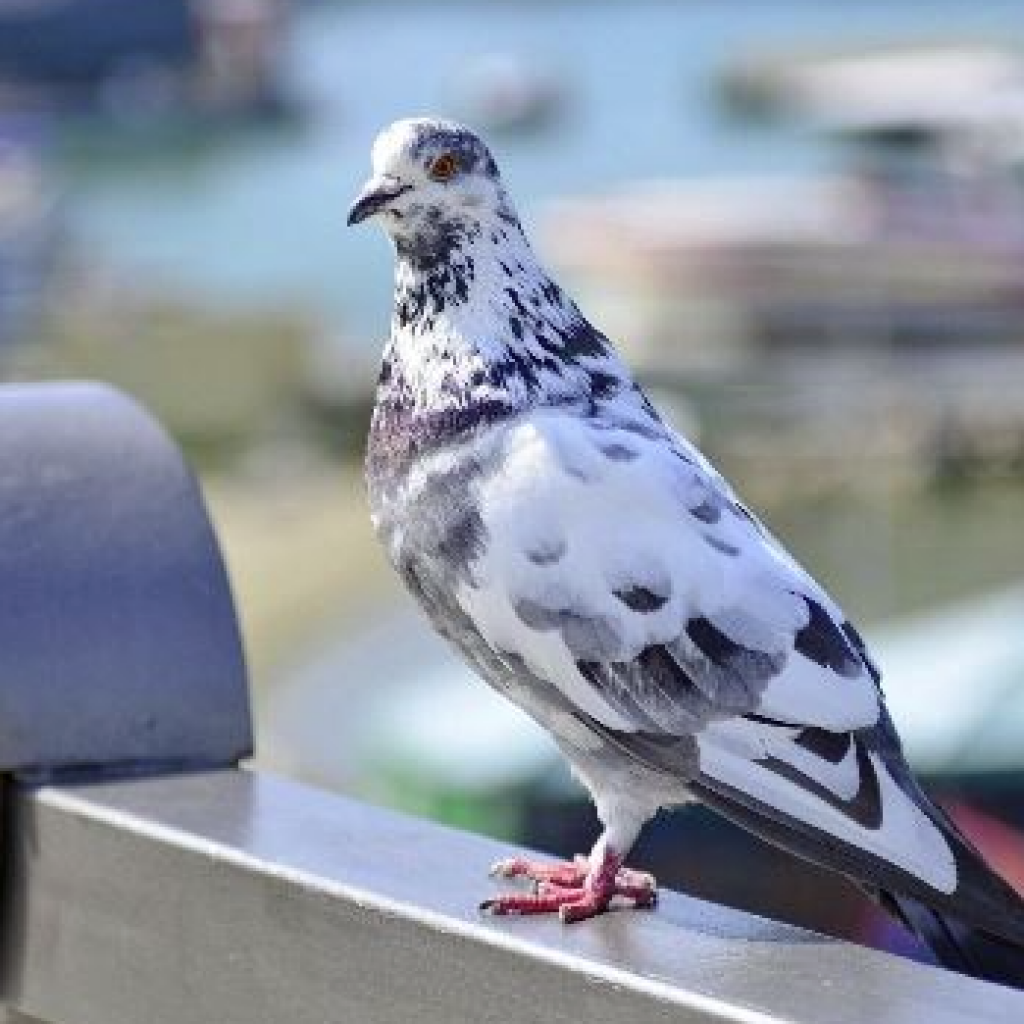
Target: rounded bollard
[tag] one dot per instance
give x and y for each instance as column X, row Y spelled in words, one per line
column 119, row 643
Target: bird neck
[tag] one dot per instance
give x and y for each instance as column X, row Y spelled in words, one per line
column 481, row 332
column 451, row 272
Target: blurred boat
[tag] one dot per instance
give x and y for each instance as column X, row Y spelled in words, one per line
column 136, row 61
column 504, row 92
column 906, row 264
column 868, row 81
column 920, row 239
column 66, row 46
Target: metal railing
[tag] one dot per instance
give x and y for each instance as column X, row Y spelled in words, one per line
column 238, row 898
column 138, row 889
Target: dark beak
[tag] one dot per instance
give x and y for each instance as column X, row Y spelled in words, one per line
column 374, row 197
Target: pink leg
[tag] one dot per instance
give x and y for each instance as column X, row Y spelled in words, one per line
column 577, row 890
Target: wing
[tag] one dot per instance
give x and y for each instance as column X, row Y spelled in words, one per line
column 621, row 569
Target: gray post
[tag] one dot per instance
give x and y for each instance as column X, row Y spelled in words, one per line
column 119, row 645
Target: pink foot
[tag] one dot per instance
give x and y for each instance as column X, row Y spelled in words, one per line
column 573, row 889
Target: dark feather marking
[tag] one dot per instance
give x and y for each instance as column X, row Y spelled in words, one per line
column 824, row 643
column 647, row 431
column 590, row 635
column 585, row 635
column 537, row 616
column 720, row 545
column 824, row 743
column 861, row 648
column 580, row 341
column 653, row 690
column 664, row 669
column 733, row 676
column 865, row 808
column 513, row 365
column 546, row 343
column 464, row 541
column 712, row 642
column 830, row 746
column 683, row 703
column 547, row 553
column 707, row 511
column 434, row 240
column 603, row 385
column 618, row 452
column 640, row 599
column 513, row 295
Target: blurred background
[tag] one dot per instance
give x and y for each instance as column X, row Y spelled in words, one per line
column 803, row 222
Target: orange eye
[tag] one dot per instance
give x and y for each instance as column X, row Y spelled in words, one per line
column 443, row 168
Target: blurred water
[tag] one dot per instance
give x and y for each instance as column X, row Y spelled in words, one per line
column 262, row 216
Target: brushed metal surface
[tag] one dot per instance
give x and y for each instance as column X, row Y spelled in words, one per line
column 238, row 898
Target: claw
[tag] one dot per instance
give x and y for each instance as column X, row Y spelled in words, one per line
column 502, row 869
column 572, row 889
column 511, row 867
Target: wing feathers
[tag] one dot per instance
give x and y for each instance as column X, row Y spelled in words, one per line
column 667, row 628
column 823, row 642
column 978, row 896
column 876, row 816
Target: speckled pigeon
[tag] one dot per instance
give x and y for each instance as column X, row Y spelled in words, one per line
column 595, row 569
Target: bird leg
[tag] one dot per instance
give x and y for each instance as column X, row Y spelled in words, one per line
column 581, row 888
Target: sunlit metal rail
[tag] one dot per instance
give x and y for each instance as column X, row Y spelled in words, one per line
column 237, row 898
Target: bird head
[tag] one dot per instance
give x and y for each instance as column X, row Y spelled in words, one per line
column 433, row 184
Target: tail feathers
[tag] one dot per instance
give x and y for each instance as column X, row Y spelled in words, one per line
column 985, row 906
column 957, row 945
column 978, row 929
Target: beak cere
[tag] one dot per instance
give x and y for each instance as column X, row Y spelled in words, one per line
column 374, row 198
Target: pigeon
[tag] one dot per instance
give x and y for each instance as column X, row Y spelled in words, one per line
column 594, row 568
